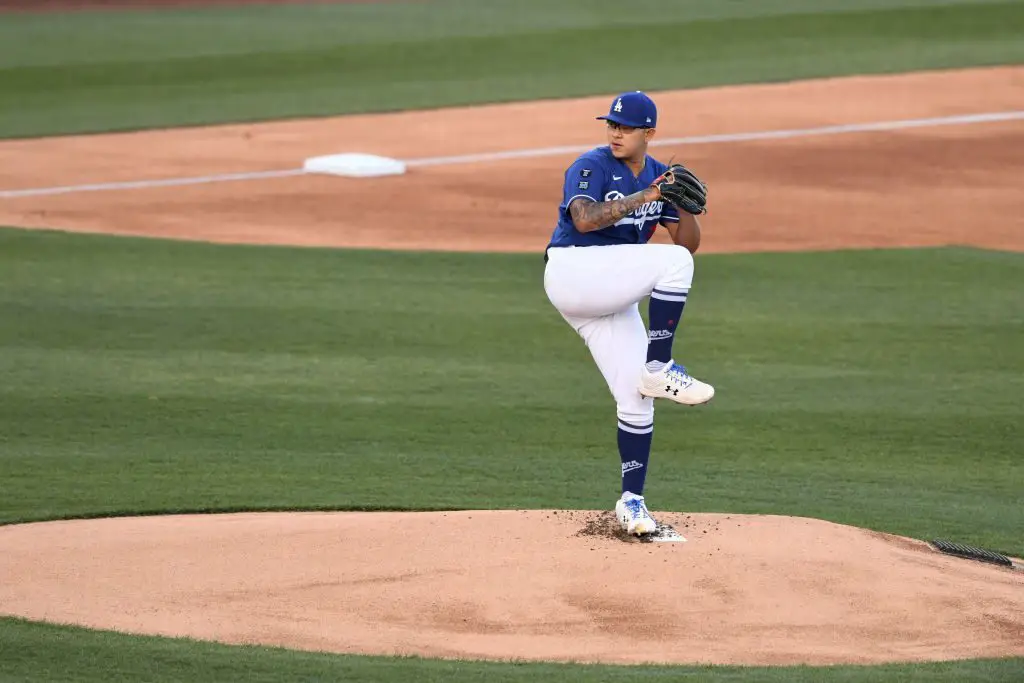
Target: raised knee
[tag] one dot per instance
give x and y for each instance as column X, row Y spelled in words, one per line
column 682, row 257
column 679, row 268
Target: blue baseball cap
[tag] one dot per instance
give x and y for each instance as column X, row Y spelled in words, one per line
column 633, row 109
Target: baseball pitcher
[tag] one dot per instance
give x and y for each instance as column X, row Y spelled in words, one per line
column 600, row 266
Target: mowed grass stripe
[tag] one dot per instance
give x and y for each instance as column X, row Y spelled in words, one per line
column 97, row 36
column 877, row 388
column 399, row 73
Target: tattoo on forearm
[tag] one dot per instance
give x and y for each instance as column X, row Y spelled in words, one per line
column 591, row 215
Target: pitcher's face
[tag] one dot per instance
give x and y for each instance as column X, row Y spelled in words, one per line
column 627, row 142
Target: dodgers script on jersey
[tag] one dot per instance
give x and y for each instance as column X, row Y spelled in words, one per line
column 601, row 177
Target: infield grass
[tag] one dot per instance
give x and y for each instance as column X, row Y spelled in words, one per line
column 875, row 388
column 98, row 71
column 36, row 652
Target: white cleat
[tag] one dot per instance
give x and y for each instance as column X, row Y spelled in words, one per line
column 675, row 384
column 633, row 515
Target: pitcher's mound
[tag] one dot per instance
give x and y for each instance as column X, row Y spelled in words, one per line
column 550, row 585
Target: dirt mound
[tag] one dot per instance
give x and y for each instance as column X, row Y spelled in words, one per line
column 549, row 585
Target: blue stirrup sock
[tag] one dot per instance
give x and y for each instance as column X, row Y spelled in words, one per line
column 635, row 452
column 664, row 311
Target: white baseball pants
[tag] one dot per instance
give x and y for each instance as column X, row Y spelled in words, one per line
column 598, row 290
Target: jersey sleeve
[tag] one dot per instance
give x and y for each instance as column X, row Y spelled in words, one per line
column 669, row 213
column 585, row 178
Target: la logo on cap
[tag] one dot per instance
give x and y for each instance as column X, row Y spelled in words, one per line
column 630, row 109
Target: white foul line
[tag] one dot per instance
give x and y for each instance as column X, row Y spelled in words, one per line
column 961, row 120
column 139, row 184
column 737, row 137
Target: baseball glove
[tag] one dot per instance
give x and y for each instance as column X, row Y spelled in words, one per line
column 682, row 188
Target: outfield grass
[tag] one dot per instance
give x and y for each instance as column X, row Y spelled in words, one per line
column 85, row 72
column 876, row 388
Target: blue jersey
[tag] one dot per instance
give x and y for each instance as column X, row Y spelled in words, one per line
column 601, row 177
